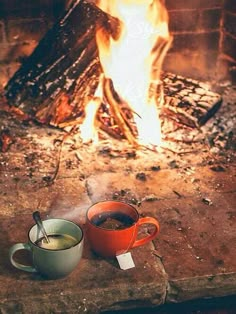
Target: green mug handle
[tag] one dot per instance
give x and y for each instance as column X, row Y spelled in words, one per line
column 147, row 220
column 12, row 251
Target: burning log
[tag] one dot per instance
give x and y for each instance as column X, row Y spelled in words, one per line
column 63, row 70
column 55, row 84
column 121, row 119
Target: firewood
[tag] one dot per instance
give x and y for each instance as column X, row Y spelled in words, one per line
column 117, row 113
column 188, row 101
column 64, row 62
column 58, row 79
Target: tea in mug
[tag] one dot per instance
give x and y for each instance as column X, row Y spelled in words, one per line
column 57, row 242
column 112, row 220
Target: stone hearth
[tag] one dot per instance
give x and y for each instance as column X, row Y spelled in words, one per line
column 189, row 188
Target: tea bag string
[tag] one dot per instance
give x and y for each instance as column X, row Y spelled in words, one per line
column 131, row 241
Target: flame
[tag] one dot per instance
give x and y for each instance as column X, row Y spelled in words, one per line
column 133, row 60
column 88, row 131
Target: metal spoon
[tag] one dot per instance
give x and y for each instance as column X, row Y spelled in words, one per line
column 37, row 219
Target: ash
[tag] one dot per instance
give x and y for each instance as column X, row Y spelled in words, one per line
column 44, row 154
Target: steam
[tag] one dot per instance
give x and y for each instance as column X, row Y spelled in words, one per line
column 64, row 208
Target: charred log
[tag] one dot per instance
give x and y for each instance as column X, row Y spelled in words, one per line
column 189, row 101
column 64, row 64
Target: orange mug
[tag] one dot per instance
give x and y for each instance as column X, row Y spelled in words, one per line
column 112, row 228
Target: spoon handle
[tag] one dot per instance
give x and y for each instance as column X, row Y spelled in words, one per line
column 37, row 219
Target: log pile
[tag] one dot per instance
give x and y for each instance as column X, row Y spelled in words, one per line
column 56, row 82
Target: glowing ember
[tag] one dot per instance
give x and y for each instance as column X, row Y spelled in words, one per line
column 133, row 61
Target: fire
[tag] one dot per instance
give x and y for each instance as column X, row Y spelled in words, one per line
column 133, row 61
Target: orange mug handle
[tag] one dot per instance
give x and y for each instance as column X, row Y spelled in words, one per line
column 147, row 220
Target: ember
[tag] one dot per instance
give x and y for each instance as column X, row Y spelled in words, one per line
column 5, row 140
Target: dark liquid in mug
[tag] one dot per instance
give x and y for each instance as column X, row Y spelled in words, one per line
column 57, row 242
column 112, row 220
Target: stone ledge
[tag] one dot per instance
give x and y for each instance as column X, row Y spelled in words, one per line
column 95, row 285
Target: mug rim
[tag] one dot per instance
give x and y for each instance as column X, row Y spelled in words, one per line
column 118, row 202
column 62, row 219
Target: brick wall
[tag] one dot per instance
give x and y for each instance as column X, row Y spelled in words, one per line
column 228, row 40
column 204, row 33
column 23, row 23
column 196, row 28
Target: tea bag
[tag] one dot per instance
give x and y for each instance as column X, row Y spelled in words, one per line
column 125, row 261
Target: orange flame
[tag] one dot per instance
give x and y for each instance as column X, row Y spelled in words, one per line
column 134, row 60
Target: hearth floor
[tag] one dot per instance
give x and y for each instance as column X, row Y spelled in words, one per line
column 193, row 195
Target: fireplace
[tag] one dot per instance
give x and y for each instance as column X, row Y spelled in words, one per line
column 187, row 181
column 202, row 48
column 197, row 64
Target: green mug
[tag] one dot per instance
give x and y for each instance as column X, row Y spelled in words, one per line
column 60, row 256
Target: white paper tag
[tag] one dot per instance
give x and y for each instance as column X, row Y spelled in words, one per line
column 125, row 261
